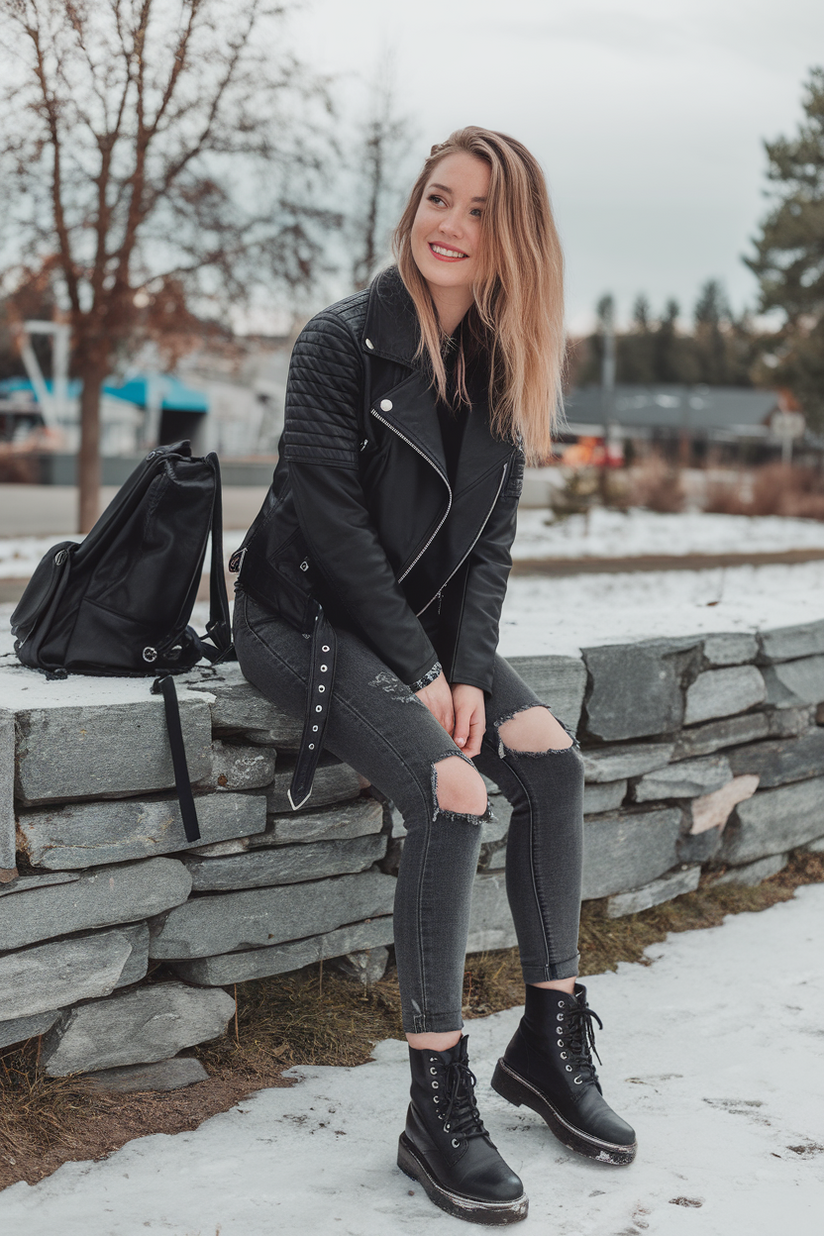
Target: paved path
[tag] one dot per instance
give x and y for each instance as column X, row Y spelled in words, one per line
column 715, row 1052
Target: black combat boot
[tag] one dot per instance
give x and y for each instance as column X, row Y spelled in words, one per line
column 446, row 1147
column 548, row 1067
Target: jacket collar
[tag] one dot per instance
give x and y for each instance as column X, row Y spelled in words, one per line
column 391, row 329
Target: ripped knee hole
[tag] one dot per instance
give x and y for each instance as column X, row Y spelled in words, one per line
column 534, row 731
column 457, row 786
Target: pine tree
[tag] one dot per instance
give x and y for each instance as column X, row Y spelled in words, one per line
column 789, row 261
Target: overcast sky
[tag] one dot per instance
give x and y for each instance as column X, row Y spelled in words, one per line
column 647, row 116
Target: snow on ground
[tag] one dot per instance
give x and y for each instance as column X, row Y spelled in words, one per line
column 714, row 1052
column 563, row 614
column 616, row 534
column 604, row 533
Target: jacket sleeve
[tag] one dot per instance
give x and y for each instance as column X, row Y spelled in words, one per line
column 485, row 580
column 323, row 396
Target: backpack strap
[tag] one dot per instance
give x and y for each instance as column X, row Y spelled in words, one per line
column 318, row 702
column 166, row 687
column 218, row 628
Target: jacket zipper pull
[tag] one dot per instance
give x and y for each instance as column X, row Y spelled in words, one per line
column 364, row 444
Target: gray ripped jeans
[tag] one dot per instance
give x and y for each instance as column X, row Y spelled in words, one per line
column 379, row 727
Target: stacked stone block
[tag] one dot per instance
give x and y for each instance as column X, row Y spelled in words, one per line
column 116, row 936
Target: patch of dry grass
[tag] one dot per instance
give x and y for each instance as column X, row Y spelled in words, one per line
column 317, row 1016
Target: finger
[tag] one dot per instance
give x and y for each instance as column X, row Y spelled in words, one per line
column 476, row 735
column 460, row 732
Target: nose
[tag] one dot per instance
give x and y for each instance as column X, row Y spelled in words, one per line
column 450, row 224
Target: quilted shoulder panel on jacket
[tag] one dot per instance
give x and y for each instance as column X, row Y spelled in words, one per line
column 324, row 392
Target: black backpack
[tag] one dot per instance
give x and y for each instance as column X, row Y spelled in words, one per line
column 119, row 602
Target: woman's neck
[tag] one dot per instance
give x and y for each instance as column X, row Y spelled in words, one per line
column 452, row 305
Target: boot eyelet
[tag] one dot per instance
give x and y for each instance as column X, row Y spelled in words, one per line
column 563, row 1055
column 560, row 1042
column 559, row 1017
column 435, row 1099
column 435, row 1086
column 447, row 1127
column 560, row 1004
column 578, row 1080
column 568, row 1068
column 455, row 1142
column 434, row 1072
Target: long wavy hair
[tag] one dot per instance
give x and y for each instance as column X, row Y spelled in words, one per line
column 517, row 317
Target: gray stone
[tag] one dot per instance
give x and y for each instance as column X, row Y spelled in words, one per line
column 753, row 873
column 704, row 739
column 49, row 976
column 262, row 962
column 774, row 821
column 687, row 779
column 636, row 688
column 559, row 682
column 106, row 750
column 730, row 648
column 673, row 884
column 795, row 682
column 495, row 859
column 24, row 884
column 334, row 782
column 287, row 864
column 238, row 766
column 100, row 898
column 94, row 833
column 496, row 828
column 135, row 1027
column 490, row 919
column 815, row 847
column 616, row 762
column 171, row 1074
column 627, row 849
column 228, row 922
column 789, row 722
column 23, row 1028
column 699, row 847
column 719, row 693
column 137, row 963
column 8, row 865
column 238, row 707
column 366, row 965
column 355, row 818
column 782, row 760
column 605, row 796
column 785, row 643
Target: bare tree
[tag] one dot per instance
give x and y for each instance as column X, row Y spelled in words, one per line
column 148, row 145
column 380, row 155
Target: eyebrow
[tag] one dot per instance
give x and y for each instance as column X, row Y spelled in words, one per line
column 446, row 189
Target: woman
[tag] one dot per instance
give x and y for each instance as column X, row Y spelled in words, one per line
column 385, row 540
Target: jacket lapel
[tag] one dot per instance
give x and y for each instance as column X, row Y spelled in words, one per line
column 391, row 333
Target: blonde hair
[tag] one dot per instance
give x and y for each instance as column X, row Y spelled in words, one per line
column 518, row 311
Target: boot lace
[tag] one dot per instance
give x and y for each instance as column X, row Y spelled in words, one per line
column 461, row 1117
column 579, row 1039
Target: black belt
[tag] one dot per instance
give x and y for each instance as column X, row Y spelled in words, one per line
column 318, row 703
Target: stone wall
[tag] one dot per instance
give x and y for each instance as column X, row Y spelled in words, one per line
column 117, row 938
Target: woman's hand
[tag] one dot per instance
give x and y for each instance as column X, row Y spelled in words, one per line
column 470, row 718
column 438, row 699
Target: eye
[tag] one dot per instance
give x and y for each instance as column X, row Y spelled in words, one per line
column 477, row 212
column 436, row 197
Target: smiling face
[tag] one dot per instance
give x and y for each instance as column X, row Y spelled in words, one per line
column 447, row 234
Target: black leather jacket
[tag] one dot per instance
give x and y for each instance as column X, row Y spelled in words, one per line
column 361, row 516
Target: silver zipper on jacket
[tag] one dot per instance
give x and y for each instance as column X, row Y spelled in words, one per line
column 404, row 438
column 471, row 547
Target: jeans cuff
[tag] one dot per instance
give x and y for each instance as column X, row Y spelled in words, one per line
column 551, row 972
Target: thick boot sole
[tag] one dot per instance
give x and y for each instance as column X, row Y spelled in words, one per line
column 495, row 1214
column 516, row 1090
